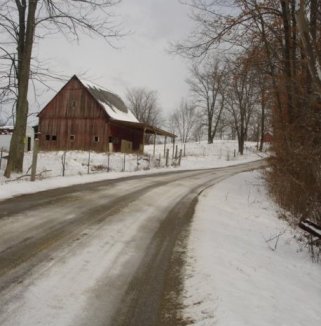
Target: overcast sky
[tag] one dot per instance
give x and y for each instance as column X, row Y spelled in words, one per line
column 142, row 59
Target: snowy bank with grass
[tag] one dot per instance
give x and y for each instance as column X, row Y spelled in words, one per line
column 246, row 267
column 60, row 169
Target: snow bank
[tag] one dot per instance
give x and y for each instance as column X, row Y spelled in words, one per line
column 49, row 166
column 244, row 265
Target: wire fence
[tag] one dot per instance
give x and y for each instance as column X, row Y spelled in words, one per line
column 226, row 149
column 68, row 163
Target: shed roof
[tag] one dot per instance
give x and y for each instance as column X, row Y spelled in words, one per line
column 148, row 129
column 6, row 130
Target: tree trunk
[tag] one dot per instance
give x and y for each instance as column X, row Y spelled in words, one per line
column 262, row 122
column 215, row 127
column 241, row 144
column 25, row 44
column 209, row 129
column 309, row 50
column 288, row 60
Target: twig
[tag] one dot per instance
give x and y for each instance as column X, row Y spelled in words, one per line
column 277, row 237
column 28, row 175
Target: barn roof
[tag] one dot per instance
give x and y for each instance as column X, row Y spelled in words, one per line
column 117, row 110
column 112, row 103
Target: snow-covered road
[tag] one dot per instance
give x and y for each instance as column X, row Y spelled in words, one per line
column 96, row 254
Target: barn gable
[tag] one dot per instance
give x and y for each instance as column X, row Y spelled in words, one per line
column 74, row 120
column 73, row 100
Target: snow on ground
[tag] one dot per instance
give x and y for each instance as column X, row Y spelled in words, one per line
column 50, row 167
column 244, row 265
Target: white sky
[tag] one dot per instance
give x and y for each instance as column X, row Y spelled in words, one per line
column 141, row 60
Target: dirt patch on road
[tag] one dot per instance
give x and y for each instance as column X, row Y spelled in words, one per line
column 171, row 312
column 154, row 295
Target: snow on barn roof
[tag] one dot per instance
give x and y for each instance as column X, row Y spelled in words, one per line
column 112, row 103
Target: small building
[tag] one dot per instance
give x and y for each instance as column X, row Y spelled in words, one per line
column 85, row 116
column 268, row 137
column 6, row 134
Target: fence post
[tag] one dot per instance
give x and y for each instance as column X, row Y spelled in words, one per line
column 173, row 148
column 180, row 157
column 176, row 150
column 124, row 162
column 108, row 161
column 137, row 162
column 154, row 146
column 1, row 154
column 159, row 162
column 167, row 156
column 63, row 161
column 34, row 160
column 88, row 164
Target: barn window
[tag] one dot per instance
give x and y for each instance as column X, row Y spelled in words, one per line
column 54, row 137
column 96, row 139
column 72, row 137
column 47, row 137
column 72, row 104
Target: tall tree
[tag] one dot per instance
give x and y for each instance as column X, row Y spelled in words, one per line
column 310, row 38
column 185, row 120
column 242, row 98
column 144, row 105
column 21, row 21
column 289, row 34
column 207, row 85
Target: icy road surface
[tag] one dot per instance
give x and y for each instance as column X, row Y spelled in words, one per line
column 99, row 253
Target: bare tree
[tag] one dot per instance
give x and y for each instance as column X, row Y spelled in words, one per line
column 185, row 120
column 144, row 105
column 242, row 98
column 207, row 86
column 287, row 36
column 21, row 21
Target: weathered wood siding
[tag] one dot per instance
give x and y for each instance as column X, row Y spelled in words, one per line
column 73, row 120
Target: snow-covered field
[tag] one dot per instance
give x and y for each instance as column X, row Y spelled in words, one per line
column 50, row 165
column 245, row 266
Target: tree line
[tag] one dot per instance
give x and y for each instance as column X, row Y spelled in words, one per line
column 225, row 100
column 273, row 51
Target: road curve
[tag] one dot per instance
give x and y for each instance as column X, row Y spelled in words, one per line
column 103, row 253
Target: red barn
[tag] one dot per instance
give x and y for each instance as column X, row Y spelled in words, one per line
column 84, row 116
